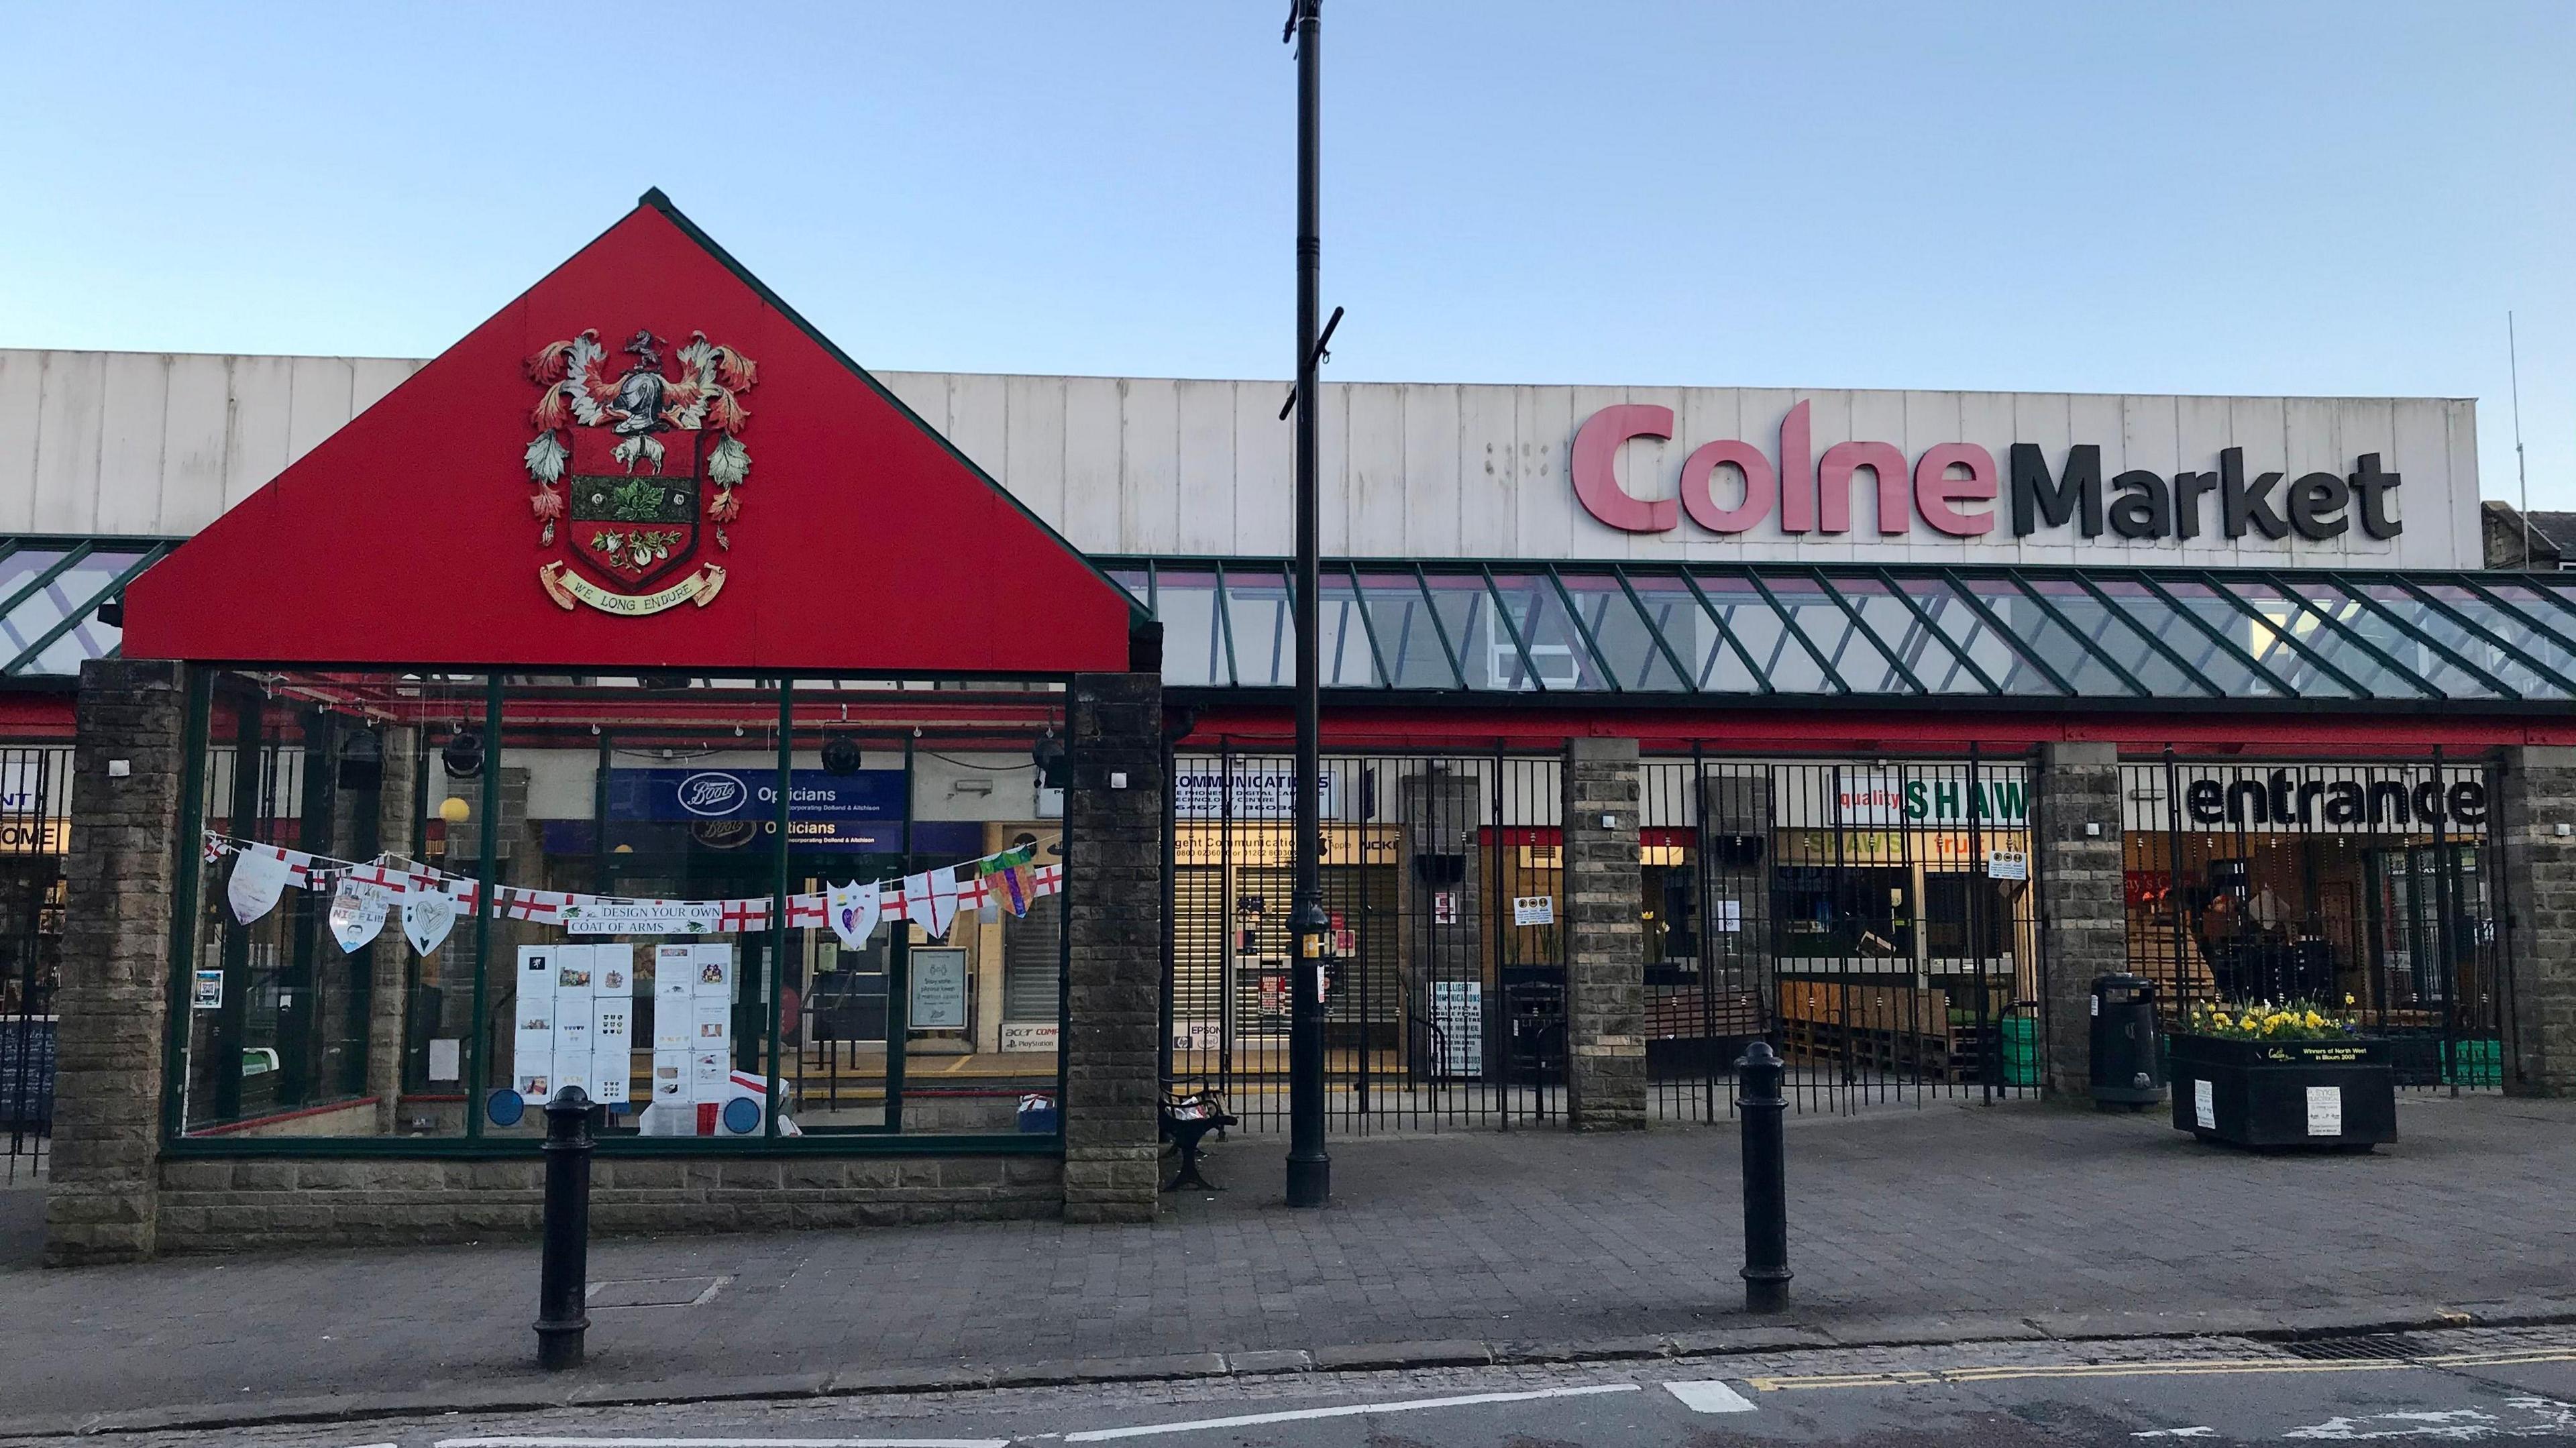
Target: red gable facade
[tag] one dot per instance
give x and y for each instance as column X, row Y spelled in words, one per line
column 648, row 461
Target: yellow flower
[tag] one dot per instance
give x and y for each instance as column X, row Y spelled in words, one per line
column 2221, row 1021
column 2347, row 998
column 2315, row 1022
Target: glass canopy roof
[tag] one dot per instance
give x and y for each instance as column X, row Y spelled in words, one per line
column 51, row 592
column 1784, row 629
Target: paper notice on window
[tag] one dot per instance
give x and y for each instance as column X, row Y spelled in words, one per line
column 446, row 1058
column 1533, row 910
column 715, row 972
column 2204, row 1105
column 612, row 1063
column 2325, row 1111
column 675, row 988
column 1730, row 917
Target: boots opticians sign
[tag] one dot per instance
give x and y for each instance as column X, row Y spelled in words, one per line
column 1956, row 489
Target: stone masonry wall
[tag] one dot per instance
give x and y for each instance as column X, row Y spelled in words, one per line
column 1114, row 867
column 235, row 1205
column 1605, row 939
column 2537, row 795
column 113, row 1003
column 2083, row 922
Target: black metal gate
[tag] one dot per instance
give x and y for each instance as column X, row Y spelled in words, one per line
column 35, row 810
column 2367, row 889
column 1873, row 919
column 1447, row 976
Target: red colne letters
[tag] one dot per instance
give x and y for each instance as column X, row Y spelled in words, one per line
column 1813, row 494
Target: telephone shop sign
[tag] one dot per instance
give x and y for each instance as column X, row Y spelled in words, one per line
column 822, row 808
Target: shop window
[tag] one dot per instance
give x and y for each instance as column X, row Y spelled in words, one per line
column 610, row 854
column 307, row 1011
column 2365, row 888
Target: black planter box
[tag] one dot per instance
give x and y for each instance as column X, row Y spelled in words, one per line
column 2284, row 1093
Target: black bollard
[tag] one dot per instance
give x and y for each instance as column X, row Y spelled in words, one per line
column 1758, row 1109
column 563, row 1282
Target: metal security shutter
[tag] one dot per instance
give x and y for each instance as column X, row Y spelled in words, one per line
column 1030, row 958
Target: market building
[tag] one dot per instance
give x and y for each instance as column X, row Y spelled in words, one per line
column 878, row 788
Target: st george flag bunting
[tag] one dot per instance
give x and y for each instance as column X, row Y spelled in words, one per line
column 854, row 910
column 427, row 916
column 259, row 877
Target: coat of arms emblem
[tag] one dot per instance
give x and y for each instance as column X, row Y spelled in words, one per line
column 631, row 464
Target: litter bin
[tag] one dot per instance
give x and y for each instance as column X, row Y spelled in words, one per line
column 2128, row 1069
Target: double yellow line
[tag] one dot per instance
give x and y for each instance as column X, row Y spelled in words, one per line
column 2189, row 1367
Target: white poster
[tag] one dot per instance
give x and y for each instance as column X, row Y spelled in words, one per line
column 613, row 970
column 573, row 982
column 1729, row 916
column 532, row 1041
column 714, row 980
column 1029, row 1035
column 2204, row 1105
column 1201, row 790
column 671, row 1079
column 612, row 1039
column 2325, row 1111
column 2007, row 865
column 938, row 990
column 709, row 1070
column 1458, row 1013
column 536, row 974
column 1533, row 910
column 446, row 1058
column 675, row 990
column 590, row 916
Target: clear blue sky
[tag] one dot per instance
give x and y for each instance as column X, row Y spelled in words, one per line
column 2337, row 199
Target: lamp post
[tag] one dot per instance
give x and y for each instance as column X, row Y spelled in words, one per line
column 1309, row 1169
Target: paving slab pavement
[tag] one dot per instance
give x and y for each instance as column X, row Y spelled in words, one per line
column 1957, row 1222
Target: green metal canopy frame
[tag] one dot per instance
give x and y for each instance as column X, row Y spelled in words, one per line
column 1784, row 631
column 52, row 591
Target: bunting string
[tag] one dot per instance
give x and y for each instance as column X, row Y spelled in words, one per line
column 1004, row 880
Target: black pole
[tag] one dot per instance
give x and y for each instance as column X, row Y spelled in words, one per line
column 1759, row 1107
column 563, row 1281
column 1309, row 1169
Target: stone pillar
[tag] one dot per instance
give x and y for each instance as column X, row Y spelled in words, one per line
column 1114, row 819
column 2536, row 799
column 1605, row 939
column 388, row 996
column 2083, row 917
column 103, row 1203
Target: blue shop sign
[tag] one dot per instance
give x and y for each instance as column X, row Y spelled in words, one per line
column 686, row 796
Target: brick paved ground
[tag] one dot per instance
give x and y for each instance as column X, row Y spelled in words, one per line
column 1996, row 1215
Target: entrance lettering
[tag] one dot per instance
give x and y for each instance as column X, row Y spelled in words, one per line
column 2281, row 799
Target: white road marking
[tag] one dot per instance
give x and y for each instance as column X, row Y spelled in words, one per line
column 1710, row 1396
column 2177, row 1433
column 2458, row 1425
column 1355, row 1410
column 721, row 1443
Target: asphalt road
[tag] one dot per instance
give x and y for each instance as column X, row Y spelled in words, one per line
column 2446, row 1387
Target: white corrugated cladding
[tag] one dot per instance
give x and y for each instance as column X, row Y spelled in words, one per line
column 145, row 443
